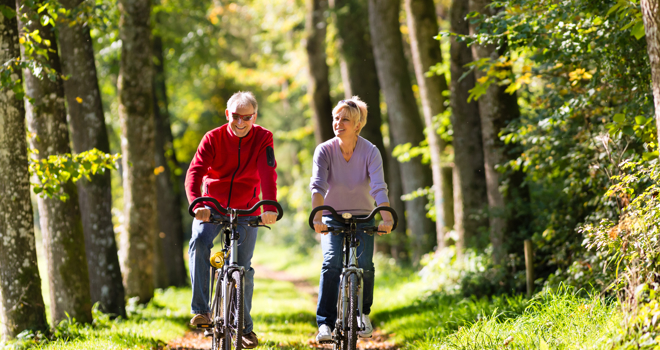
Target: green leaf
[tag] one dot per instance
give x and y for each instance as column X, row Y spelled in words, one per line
column 650, row 155
column 628, row 130
column 640, row 120
column 619, row 118
column 638, row 30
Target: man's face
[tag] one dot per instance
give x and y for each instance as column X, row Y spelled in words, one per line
column 236, row 115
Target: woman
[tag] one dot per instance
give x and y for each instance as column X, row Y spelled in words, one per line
column 348, row 176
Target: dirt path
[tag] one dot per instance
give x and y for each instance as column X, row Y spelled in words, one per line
column 195, row 340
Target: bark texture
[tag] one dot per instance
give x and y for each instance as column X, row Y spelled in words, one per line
column 470, row 197
column 360, row 78
column 651, row 16
column 496, row 109
column 170, row 234
column 319, row 86
column 137, row 127
column 423, row 27
column 21, row 303
column 61, row 224
column 404, row 119
column 88, row 131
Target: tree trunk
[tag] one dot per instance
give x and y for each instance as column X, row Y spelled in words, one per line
column 136, row 104
column 423, row 27
column 170, row 223
column 496, row 109
column 404, row 119
column 319, row 87
column 470, row 197
column 88, row 132
column 60, row 221
column 360, row 78
column 21, row 303
column 399, row 242
column 651, row 15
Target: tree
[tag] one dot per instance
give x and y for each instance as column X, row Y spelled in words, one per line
column 136, row 104
column 319, row 87
column 170, row 236
column 360, row 78
column 423, row 27
column 60, row 220
column 404, row 120
column 469, row 182
column 498, row 108
column 21, row 302
column 88, row 131
column 651, row 16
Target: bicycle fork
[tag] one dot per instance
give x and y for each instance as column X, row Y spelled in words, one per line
column 346, row 273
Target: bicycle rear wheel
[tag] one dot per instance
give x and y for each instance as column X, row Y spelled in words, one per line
column 234, row 319
column 352, row 311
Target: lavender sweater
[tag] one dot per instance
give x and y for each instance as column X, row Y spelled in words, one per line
column 349, row 186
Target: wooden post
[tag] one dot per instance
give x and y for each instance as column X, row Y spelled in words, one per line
column 529, row 265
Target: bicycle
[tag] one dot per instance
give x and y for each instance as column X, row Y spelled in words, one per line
column 349, row 302
column 227, row 303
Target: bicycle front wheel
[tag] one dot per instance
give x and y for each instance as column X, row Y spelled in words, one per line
column 353, row 311
column 236, row 314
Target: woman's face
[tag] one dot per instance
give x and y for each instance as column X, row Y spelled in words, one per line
column 342, row 126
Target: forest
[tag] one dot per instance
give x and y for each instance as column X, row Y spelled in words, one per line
column 519, row 143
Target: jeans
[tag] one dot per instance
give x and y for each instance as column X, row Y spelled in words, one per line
column 199, row 253
column 326, row 310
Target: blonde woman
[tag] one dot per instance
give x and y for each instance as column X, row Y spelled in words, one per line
column 348, row 175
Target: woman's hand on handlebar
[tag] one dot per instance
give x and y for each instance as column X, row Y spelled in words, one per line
column 320, row 227
column 268, row 217
column 203, row 214
column 385, row 226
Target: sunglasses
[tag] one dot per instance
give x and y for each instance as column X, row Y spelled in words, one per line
column 349, row 103
column 246, row 117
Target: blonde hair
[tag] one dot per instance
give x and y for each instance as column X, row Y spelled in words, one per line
column 357, row 115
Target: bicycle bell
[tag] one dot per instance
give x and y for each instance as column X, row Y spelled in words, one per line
column 346, row 216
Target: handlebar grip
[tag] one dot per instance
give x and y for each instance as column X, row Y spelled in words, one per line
column 323, row 207
column 219, row 207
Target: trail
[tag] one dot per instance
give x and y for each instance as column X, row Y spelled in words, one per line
column 195, row 340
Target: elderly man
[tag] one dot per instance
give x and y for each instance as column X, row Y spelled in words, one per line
column 233, row 164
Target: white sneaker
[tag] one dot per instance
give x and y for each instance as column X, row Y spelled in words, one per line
column 368, row 329
column 325, row 334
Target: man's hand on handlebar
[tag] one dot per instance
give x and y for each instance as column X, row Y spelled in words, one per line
column 203, row 214
column 268, row 217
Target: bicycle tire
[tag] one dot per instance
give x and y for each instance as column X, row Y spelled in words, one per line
column 236, row 312
column 216, row 313
column 340, row 328
column 352, row 312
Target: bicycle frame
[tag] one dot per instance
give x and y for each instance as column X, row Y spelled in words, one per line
column 350, row 267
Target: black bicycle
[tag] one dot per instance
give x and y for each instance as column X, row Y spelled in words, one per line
column 227, row 304
column 349, row 303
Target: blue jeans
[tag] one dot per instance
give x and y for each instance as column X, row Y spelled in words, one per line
column 199, row 253
column 326, row 310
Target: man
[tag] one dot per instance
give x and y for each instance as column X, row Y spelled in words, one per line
column 233, row 164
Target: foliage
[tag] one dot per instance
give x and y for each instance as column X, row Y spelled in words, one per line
column 57, row 170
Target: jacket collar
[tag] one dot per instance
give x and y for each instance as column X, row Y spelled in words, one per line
column 233, row 137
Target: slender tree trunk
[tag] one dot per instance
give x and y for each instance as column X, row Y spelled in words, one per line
column 61, row 225
column 21, row 303
column 319, row 86
column 89, row 131
column 470, row 195
column 651, row 15
column 423, row 27
column 137, row 126
column 404, row 119
column 399, row 246
column 361, row 78
column 169, row 204
column 496, row 109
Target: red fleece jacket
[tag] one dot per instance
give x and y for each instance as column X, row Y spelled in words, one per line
column 234, row 170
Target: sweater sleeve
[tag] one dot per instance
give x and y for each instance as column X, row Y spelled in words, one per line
column 320, row 169
column 198, row 168
column 266, row 165
column 377, row 177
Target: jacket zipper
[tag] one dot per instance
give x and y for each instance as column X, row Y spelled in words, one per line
column 231, row 184
column 254, row 194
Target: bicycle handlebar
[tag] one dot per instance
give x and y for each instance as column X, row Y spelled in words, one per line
column 340, row 218
column 222, row 210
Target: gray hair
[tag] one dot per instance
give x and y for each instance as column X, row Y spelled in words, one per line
column 243, row 99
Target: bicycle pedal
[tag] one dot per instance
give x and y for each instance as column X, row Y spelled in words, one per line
column 204, row 326
column 326, row 341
